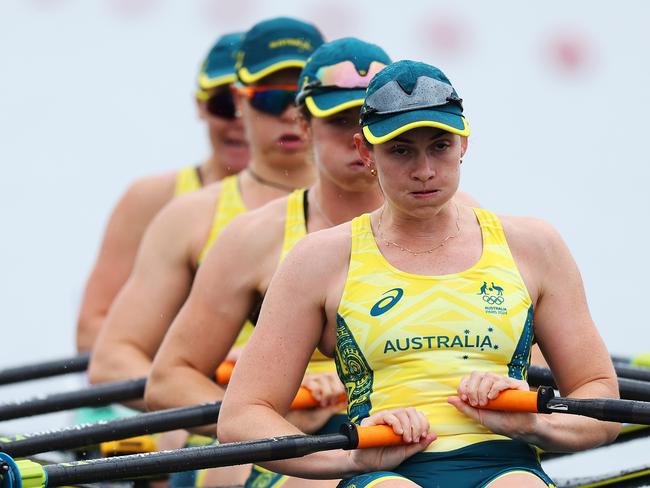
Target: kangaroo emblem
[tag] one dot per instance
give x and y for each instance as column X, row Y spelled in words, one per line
column 483, row 289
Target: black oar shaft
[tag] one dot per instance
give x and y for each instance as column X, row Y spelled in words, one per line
column 628, row 388
column 79, row 436
column 45, row 369
column 632, row 372
column 127, row 467
column 93, row 396
column 628, row 411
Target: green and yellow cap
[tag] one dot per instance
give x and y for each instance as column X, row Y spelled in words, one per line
column 409, row 94
column 336, row 76
column 276, row 44
column 218, row 68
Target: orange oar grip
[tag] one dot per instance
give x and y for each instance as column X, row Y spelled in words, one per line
column 378, row 436
column 514, row 401
column 224, row 372
column 304, row 399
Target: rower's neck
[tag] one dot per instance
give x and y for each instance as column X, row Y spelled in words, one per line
column 342, row 205
column 293, row 176
column 429, row 226
column 214, row 169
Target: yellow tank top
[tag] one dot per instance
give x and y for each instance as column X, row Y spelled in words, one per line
column 229, row 205
column 407, row 340
column 188, row 180
column 295, row 228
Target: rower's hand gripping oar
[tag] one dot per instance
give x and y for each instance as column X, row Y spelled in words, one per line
column 303, row 400
column 107, row 393
column 635, row 367
column 32, row 475
column 121, row 391
column 142, row 424
column 351, row 437
column 544, row 401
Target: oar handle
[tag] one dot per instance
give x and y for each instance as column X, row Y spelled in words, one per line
column 224, row 372
column 544, row 401
column 377, row 436
column 508, row 400
column 521, row 401
column 304, row 399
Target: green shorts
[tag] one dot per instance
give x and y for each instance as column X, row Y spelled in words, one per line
column 263, row 478
column 472, row 466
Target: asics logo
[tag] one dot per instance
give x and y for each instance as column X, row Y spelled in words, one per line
column 388, row 302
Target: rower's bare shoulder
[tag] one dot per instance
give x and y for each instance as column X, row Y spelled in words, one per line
column 143, row 199
column 188, row 211
column 151, row 191
column 257, row 233
column 533, row 237
column 324, row 252
column 264, row 223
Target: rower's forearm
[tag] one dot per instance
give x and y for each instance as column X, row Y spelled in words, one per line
column 570, row 433
column 165, row 383
column 120, row 364
column 261, row 422
column 117, row 363
column 88, row 328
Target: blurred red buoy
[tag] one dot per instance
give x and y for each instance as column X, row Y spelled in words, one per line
column 569, row 52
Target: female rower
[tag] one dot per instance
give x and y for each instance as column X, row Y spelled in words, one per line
column 179, row 237
column 251, row 247
column 248, row 252
column 428, row 308
column 145, row 197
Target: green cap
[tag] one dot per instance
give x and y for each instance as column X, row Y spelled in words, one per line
column 219, row 66
column 276, row 44
column 336, row 76
column 409, row 94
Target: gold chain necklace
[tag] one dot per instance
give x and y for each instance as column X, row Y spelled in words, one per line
column 320, row 211
column 418, row 253
column 272, row 184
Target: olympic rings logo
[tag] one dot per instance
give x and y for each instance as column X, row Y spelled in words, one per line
column 493, row 299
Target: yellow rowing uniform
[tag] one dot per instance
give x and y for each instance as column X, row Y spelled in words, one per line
column 229, row 205
column 407, row 340
column 295, row 228
column 188, row 180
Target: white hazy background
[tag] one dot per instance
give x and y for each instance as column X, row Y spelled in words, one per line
column 94, row 94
